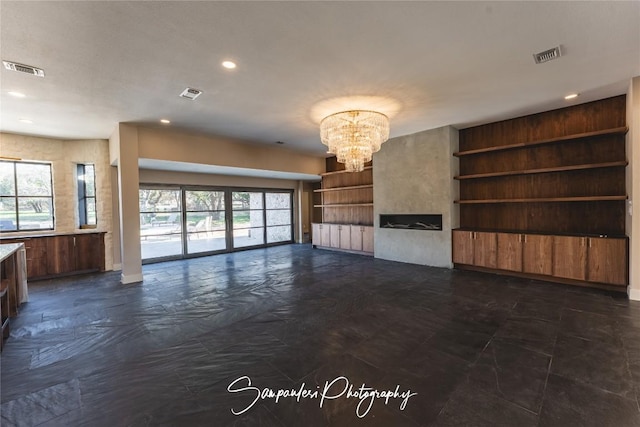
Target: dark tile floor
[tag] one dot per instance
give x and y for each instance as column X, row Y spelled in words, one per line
column 181, row 348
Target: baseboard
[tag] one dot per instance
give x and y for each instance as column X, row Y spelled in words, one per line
column 634, row 294
column 131, row 278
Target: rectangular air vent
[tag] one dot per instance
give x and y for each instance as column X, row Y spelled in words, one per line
column 547, row 55
column 190, row 93
column 28, row 69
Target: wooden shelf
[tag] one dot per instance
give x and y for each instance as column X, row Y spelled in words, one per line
column 353, row 187
column 543, row 170
column 343, row 205
column 543, row 199
column 613, row 131
column 343, row 171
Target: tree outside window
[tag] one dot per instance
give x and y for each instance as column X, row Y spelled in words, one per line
column 87, row 195
column 26, row 196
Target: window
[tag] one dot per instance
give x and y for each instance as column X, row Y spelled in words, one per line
column 278, row 213
column 26, row 196
column 87, row 195
column 205, row 221
column 160, row 222
column 248, row 218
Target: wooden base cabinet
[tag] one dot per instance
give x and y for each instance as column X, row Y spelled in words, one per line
column 607, row 260
column 346, row 237
column 569, row 259
column 475, row 248
column 59, row 255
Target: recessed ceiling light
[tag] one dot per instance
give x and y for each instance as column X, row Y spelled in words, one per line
column 17, row 94
column 165, row 121
column 229, row 65
column 571, row 96
column 25, row 121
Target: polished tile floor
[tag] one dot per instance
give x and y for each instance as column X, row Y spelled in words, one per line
column 294, row 336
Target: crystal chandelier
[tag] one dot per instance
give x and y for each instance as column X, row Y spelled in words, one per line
column 353, row 136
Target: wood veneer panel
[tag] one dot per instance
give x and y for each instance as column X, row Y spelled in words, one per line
column 537, row 254
column 607, row 261
column 570, row 257
column 589, row 117
column 509, row 251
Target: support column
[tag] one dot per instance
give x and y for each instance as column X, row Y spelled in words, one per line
column 124, row 142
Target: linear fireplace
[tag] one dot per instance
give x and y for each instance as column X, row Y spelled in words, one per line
column 411, row 222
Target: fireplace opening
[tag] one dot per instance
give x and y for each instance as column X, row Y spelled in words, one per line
column 411, row 222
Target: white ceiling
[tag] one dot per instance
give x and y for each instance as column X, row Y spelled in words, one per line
column 428, row 63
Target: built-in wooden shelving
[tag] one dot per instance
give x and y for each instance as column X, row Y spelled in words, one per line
column 343, row 205
column 613, row 131
column 352, row 187
column 566, row 177
column 544, row 170
column 543, row 199
column 343, row 171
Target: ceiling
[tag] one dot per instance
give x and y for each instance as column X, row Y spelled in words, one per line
column 426, row 64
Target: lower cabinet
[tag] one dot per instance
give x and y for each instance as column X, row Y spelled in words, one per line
column 57, row 255
column 570, row 257
column 357, row 238
column 599, row 260
column 475, row 248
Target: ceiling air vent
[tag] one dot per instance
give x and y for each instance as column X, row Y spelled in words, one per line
column 14, row 66
column 190, row 93
column 547, row 55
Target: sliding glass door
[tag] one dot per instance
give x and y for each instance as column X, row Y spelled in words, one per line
column 248, row 218
column 184, row 221
column 205, row 216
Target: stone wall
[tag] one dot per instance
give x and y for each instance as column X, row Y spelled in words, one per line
column 64, row 155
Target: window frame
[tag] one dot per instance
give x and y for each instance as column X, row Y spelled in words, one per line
column 83, row 213
column 17, row 197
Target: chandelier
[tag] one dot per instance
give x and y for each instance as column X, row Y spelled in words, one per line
column 353, row 136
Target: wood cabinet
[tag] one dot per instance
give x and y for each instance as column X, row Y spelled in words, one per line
column 58, row 255
column 607, row 260
column 475, row 248
column 570, row 257
column 362, row 238
column 597, row 261
column 346, row 237
column 537, row 254
column 509, row 254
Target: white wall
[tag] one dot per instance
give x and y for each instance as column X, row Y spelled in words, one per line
column 64, row 155
column 413, row 174
column 633, row 186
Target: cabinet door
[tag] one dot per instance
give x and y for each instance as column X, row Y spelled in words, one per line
column 509, row 251
column 334, row 231
column 462, row 247
column 89, row 251
column 316, row 234
column 570, row 257
column 60, row 255
column 356, row 237
column 538, row 254
column 325, row 231
column 485, row 249
column 607, row 261
column 345, row 237
column 367, row 239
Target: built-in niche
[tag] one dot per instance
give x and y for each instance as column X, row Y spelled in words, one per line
column 411, row 222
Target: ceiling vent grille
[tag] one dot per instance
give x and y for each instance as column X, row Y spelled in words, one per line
column 21, row 68
column 547, row 55
column 190, row 93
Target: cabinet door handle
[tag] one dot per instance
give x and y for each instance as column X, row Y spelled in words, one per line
column 589, row 241
column 525, row 238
